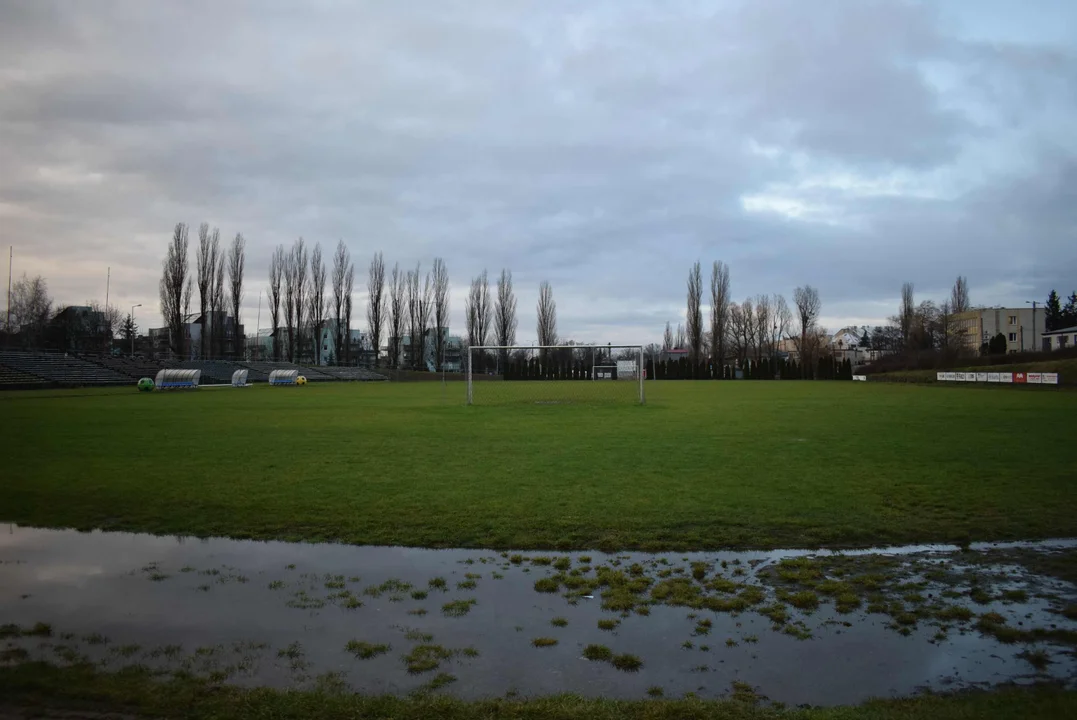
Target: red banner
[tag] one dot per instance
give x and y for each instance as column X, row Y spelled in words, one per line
column 1020, row 378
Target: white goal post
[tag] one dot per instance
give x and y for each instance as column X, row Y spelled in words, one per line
column 554, row 374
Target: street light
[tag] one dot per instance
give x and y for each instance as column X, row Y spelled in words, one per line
column 133, row 328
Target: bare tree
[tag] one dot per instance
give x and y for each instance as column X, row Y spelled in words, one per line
column 375, row 307
column 416, row 315
column 398, row 310
column 808, row 307
column 505, row 313
column 694, row 314
column 349, row 281
column 341, row 267
column 746, row 331
column 763, row 327
column 959, row 296
column 680, row 339
column 719, row 312
column 289, row 305
column 277, row 265
column 477, row 311
column 781, row 321
column 175, row 287
column 316, row 301
column 299, row 297
column 31, row 307
column 206, row 265
column 441, row 309
column 907, row 314
column 217, row 298
column 236, row 261
column 547, row 315
column 667, row 338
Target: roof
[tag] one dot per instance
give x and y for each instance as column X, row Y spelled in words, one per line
column 1062, row 331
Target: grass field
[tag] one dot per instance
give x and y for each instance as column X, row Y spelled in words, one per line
column 51, row 691
column 702, row 465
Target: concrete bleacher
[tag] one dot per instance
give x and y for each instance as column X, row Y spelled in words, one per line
column 264, row 368
column 133, row 368
column 60, row 369
column 214, row 372
column 11, row 379
column 19, row 369
column 340, row 372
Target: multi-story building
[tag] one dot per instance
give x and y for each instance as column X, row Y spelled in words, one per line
column 1022, row 327
column 452, row 350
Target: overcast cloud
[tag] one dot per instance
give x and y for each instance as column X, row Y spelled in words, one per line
column 603, row 146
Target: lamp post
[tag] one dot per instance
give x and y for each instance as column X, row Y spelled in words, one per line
column 133, row 328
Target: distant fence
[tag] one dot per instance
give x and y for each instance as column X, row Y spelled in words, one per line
column 1018, row 378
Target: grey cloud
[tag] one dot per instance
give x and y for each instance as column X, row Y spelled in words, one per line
column 604, row 147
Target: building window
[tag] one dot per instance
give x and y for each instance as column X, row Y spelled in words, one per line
column 1013, row 319
column 1062, row 340
column 1013, row 337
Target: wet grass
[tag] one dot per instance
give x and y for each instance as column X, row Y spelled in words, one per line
column 54, row 691
column 541, row 642
column 597, row 652
column 426, row 658
column 559, row 622
column 365, row 651
column 608, row 625
column 626, row 662
column 638, row 490
column 458, row 608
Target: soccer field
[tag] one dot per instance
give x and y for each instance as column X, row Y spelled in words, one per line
column 701, row 465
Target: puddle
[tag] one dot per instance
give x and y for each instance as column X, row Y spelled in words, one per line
column 282, row 615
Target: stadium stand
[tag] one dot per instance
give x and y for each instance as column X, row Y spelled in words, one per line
column 11, row 379
column 214, row 372
column 134, row 368
column 351, row 373
column 265, row 368
column 61, row 369
column 19, row 369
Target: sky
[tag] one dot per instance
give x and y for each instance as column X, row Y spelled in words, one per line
column 602, row 146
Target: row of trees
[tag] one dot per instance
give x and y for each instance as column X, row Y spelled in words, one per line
column 297, row 278
column 218, row 277
column 746, row 332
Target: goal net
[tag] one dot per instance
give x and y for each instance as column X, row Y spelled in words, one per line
column 554, row 374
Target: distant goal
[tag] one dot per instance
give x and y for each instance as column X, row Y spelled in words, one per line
column 554, row 374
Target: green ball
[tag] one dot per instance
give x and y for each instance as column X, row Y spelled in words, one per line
column 145, row 385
